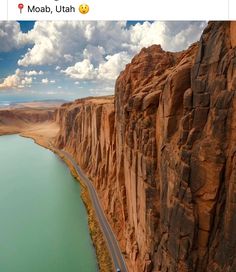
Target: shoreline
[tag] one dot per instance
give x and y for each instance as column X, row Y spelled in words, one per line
column 103, row 257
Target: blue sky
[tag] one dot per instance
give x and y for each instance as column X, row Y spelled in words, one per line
column 67, row 60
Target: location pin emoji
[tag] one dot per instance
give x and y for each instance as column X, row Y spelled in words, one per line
column 20, row 7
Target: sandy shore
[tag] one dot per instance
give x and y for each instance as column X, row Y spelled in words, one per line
column 35, row 120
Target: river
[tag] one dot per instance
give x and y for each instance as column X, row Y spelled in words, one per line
column 43, row 221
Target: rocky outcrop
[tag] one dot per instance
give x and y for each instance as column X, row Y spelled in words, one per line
column 162, row 155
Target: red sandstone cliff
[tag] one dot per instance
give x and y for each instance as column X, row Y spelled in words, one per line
column 163, row 155
column 87, row 132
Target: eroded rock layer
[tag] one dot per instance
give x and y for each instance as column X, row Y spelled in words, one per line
column 16, row 120
column 162, row 155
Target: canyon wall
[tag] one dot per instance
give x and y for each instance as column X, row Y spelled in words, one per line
column 87, row 131
column 27, row 115
column 162, row 154
column 14, row 120
column 196, row 140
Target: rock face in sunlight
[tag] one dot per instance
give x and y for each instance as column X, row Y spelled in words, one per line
column 87, row 131
column 162, row 154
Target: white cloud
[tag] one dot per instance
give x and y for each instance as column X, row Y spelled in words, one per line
column 81, row 70
column 113, row 66
column 45, row 81
column 94, row 51
column 26, row 81
column 16, row 81
column 74, row 41
column 11, row 36
column 34, row 73
column 31, row 73
column 99, row 50
column 66, row 41
column 68, row 57
column 107, row 70
column 172, row 36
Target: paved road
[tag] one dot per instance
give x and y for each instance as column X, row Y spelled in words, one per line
column 113, row 247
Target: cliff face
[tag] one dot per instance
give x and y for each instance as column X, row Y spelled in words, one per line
column 154, row 79
column 196, row 161
column 163, row 154
column 87, row 132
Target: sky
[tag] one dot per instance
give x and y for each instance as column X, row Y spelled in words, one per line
column 73, row 59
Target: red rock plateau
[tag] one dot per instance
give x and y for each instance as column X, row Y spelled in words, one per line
column 16, row 120
column 38, row 123
column 162, row 154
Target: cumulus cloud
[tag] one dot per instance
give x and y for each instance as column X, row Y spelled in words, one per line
column 81, row 70
column 34, row 73
column 172, row 36
column 106, row 70
column 11, row 36
column 95, row 50
column 16, row 81
column 111, row 68
column 67, row 40
column 71, row 41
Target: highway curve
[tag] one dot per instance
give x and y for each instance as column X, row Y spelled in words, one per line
column 113, row 247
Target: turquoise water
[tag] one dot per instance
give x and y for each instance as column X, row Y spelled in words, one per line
column 43, row 222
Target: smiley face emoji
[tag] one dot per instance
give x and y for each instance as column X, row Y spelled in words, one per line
column 84, row 8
